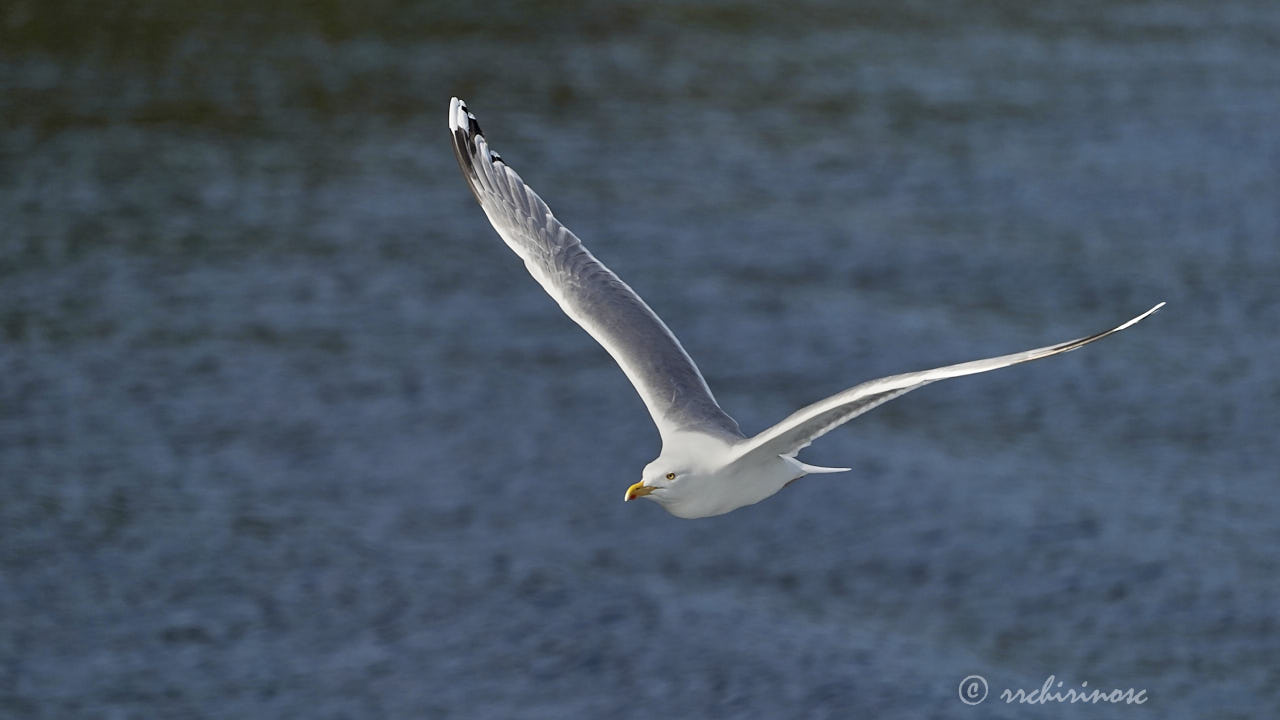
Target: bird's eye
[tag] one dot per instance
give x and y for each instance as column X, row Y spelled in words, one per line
column 671, row 476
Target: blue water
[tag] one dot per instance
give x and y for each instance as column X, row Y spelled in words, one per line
column 286, row 430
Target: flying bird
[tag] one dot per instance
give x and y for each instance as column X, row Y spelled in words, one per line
column 707, row 466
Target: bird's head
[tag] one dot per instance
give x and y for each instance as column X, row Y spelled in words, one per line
column 660, row 482
column 689, row 462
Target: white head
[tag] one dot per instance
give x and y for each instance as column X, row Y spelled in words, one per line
column 688, row 467
column 661, row 481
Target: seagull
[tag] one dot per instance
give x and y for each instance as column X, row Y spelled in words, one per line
column 707, row 466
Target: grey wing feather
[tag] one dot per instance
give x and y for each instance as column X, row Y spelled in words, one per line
column 807, row 424
column 663, row 374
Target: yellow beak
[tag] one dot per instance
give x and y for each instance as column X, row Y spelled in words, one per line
column 637, row 490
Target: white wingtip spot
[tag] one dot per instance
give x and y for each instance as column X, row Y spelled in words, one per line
column 1142, row 317
column 460, row 118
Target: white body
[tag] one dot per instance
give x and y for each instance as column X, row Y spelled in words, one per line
column 714, row 479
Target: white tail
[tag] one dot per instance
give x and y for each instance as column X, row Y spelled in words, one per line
column 815, row 469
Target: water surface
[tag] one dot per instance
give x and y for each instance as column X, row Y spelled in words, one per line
column 286, row 431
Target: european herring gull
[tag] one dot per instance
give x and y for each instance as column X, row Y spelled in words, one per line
column 707, row 466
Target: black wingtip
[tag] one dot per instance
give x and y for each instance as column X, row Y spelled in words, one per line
column 466, row 128
column 461, row 122
column 467, row 141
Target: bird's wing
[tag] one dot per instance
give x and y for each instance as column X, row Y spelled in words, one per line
column 803, row 426
column 661, row 371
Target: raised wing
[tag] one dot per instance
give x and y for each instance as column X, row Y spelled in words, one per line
column 804, row 426
column 661, row 371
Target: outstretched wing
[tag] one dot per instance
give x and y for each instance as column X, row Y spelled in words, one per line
column 803, row 426
column 661, row 371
